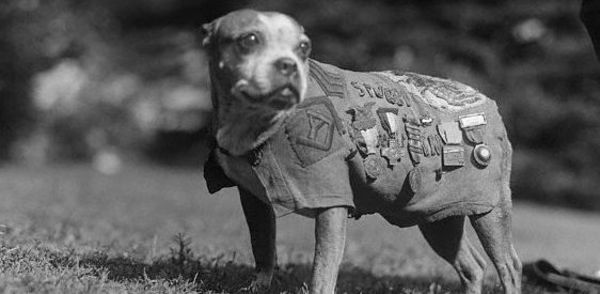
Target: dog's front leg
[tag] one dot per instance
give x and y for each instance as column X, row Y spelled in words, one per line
column 330, row 239
column 261, row 222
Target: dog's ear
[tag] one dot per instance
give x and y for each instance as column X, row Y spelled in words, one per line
column 209, row 31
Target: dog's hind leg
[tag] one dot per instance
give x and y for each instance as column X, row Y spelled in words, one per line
column 494, row 231
column 448, row 239
column 261, row 223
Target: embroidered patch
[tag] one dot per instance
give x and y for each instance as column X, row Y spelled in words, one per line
column 392, row 95
column 314, row 130
column 439, row 93
column 331, row 82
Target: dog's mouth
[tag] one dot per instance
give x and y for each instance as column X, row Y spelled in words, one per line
column 280, row 98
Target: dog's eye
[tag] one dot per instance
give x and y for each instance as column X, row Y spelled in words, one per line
column 248, row 41
column 304, row 49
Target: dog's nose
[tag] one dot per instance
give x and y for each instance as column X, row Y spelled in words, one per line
column 286, row 66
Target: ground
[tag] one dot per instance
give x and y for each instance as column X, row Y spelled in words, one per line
column 70, row 229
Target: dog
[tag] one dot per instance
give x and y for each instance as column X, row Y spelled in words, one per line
column 297, row 135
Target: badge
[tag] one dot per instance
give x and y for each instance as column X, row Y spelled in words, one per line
column 450, row 132
column 453, row 155
column 426, row 120
column 415, row 179
column 394, row 152
column 374, row 166
column 363, row 117
column 371, row 137
column 482, row 155
column 314, row 130
column 435, row 144
column 415, row 146
column 472, row 120
column 426, row 146
column 473, row 126
column 366, row 124
column 389, row 120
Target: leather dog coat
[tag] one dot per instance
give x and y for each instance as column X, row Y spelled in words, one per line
column 411, row 147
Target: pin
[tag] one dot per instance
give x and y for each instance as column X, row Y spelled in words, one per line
column 473, row 126
column 363, row 117
column 453, row 155
column 482, row 155
column 450, row 132
column 415, row 146
column 472, row 120
column 371, row 137
column 374, row 166
column 393, row 153
column 389, row 120
column 426, row 120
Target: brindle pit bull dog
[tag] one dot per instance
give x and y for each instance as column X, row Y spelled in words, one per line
column 292, row 133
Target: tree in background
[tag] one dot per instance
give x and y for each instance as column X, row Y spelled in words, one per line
column 144, row 68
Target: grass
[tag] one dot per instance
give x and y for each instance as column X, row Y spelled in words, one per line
column 68, row 229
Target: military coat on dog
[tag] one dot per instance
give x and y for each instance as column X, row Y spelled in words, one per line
column 410, row 147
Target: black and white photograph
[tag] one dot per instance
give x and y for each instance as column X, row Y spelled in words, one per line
column 310, row 147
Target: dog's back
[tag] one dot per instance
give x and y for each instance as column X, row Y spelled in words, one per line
column 411, row 147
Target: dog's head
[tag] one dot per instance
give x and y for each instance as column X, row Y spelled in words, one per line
column 259, row 58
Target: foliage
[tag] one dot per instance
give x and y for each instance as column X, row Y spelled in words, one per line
column 139, row 84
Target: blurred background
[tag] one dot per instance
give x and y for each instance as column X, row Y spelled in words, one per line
column 113, row 82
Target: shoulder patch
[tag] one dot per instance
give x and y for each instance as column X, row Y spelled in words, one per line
column 314, row 130
column 331, row 82
column 439, row 93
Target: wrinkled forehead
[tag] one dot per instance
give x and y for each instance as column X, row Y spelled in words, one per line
column 273, row 26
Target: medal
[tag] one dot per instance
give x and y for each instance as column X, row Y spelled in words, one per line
column 393, row 153
column 374, row 166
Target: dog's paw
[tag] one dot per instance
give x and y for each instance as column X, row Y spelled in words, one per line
column 260, row 284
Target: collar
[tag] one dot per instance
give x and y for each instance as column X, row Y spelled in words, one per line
column 253, row 157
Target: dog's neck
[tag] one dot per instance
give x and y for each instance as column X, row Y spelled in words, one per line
column 238, row 127
column 241, row 128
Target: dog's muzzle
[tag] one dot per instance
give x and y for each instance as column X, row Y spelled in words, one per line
column 280, row 98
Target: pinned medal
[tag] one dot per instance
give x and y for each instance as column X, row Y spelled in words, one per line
column 363, row 117
column 453, row 156
column 450, row 132
column 472, row 125
column 482, row 155
column 426, row 120
column 415, row 146
column 366, row 124
column 389, row 120
column 374, row 166
column 394, row 152
column 371, row 137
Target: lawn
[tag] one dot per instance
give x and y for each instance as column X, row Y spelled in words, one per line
column 69, row 229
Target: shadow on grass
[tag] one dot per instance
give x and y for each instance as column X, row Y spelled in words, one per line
column 218, row 275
